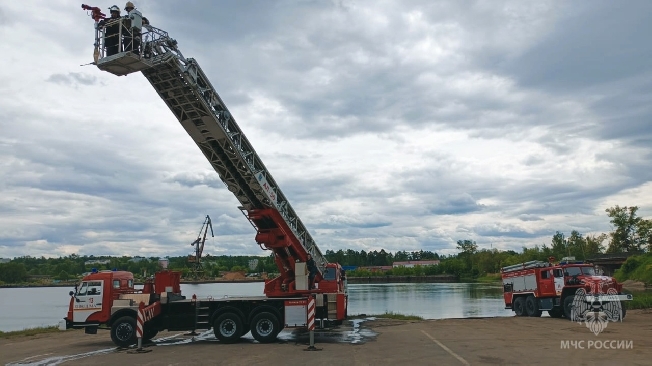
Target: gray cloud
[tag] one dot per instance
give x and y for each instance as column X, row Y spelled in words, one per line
column 72, row 78
column 4, row 20
column 396, row 125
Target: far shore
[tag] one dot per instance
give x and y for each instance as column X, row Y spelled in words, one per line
column 629, row 285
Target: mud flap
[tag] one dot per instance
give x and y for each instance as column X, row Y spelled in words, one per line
column 90, row 330
column 545, row 304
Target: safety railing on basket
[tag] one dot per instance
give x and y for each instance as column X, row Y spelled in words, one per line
column 115, row 36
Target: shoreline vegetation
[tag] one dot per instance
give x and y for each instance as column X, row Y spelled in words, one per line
column 378, row 278
column 29, row 332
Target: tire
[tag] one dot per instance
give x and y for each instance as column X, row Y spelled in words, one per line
column 623, row 307
column 556, row 312
column 228, row 328
column 532, row 307
column 265, row 327
column 519, row 306
column 568, row 306
column 123, row 331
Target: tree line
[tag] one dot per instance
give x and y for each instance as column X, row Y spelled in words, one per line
column 22, row 269
column 631, row 233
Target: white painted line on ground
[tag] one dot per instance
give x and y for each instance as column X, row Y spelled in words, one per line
column 463, row 361
column 29, row 358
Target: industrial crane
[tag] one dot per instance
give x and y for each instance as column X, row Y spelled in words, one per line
column 197, row 270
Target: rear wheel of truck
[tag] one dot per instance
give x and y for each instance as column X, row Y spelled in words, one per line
column 265, row 327
column 228, row 328
column 519, row 306
column 532, row 306
column 123, row 331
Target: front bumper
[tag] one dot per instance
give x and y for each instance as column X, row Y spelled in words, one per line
column 607, row 298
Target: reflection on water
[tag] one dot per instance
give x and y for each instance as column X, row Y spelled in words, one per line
column 22, row 308
column 428, row 300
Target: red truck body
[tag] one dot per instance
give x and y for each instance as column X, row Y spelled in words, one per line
column 533, row 287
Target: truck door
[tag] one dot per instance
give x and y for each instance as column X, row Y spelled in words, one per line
column 547, row 284
column 559, row 280
column 88, row 300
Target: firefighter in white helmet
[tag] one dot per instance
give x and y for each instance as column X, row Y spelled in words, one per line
column 130, row 33
column 111, row 27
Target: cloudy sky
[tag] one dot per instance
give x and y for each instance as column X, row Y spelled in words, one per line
column 401, row 125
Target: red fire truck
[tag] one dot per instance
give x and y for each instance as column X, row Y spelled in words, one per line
column 108, row 299
column 533, row 287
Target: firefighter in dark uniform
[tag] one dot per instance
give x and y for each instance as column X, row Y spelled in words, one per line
column 111, row 31
column 312, row 271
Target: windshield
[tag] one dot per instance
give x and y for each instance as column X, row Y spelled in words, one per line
column 572, row 271
column 82, row 289
column 329, row 274
column 589, row 271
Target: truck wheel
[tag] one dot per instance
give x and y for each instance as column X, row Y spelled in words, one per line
column 123, row 331
column 265, row 327
column 531, row 307
column 623, row 307
column 228, row 328
column 568, row 306
column 519, row 306
column 556, row 313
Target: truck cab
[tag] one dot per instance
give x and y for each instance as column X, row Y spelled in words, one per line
column 91, row 302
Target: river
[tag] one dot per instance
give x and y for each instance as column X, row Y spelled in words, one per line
column 22, row 308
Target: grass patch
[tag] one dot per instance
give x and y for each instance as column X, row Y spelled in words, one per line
column 29, row 332
column 489, row 277
column 637, row 268
column 642, row 300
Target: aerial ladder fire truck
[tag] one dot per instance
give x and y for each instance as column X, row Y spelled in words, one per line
column 108, row 299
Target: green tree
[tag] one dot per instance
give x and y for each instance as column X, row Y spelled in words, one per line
column 63, row 276
column 13, row 272
column 576, row 245
column 559, row 248
column 644, row 234
column 626, row 223
column 594, row 244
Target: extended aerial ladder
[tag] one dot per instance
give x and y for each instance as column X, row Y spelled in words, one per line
column 184, row 87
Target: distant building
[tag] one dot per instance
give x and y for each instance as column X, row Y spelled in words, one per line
column 253, row 263
column 137, row 259
column 97, row 261
column 5, row 260
column 376, row 268
column 412, row 264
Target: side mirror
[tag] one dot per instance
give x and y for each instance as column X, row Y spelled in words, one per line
column 71, row 293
